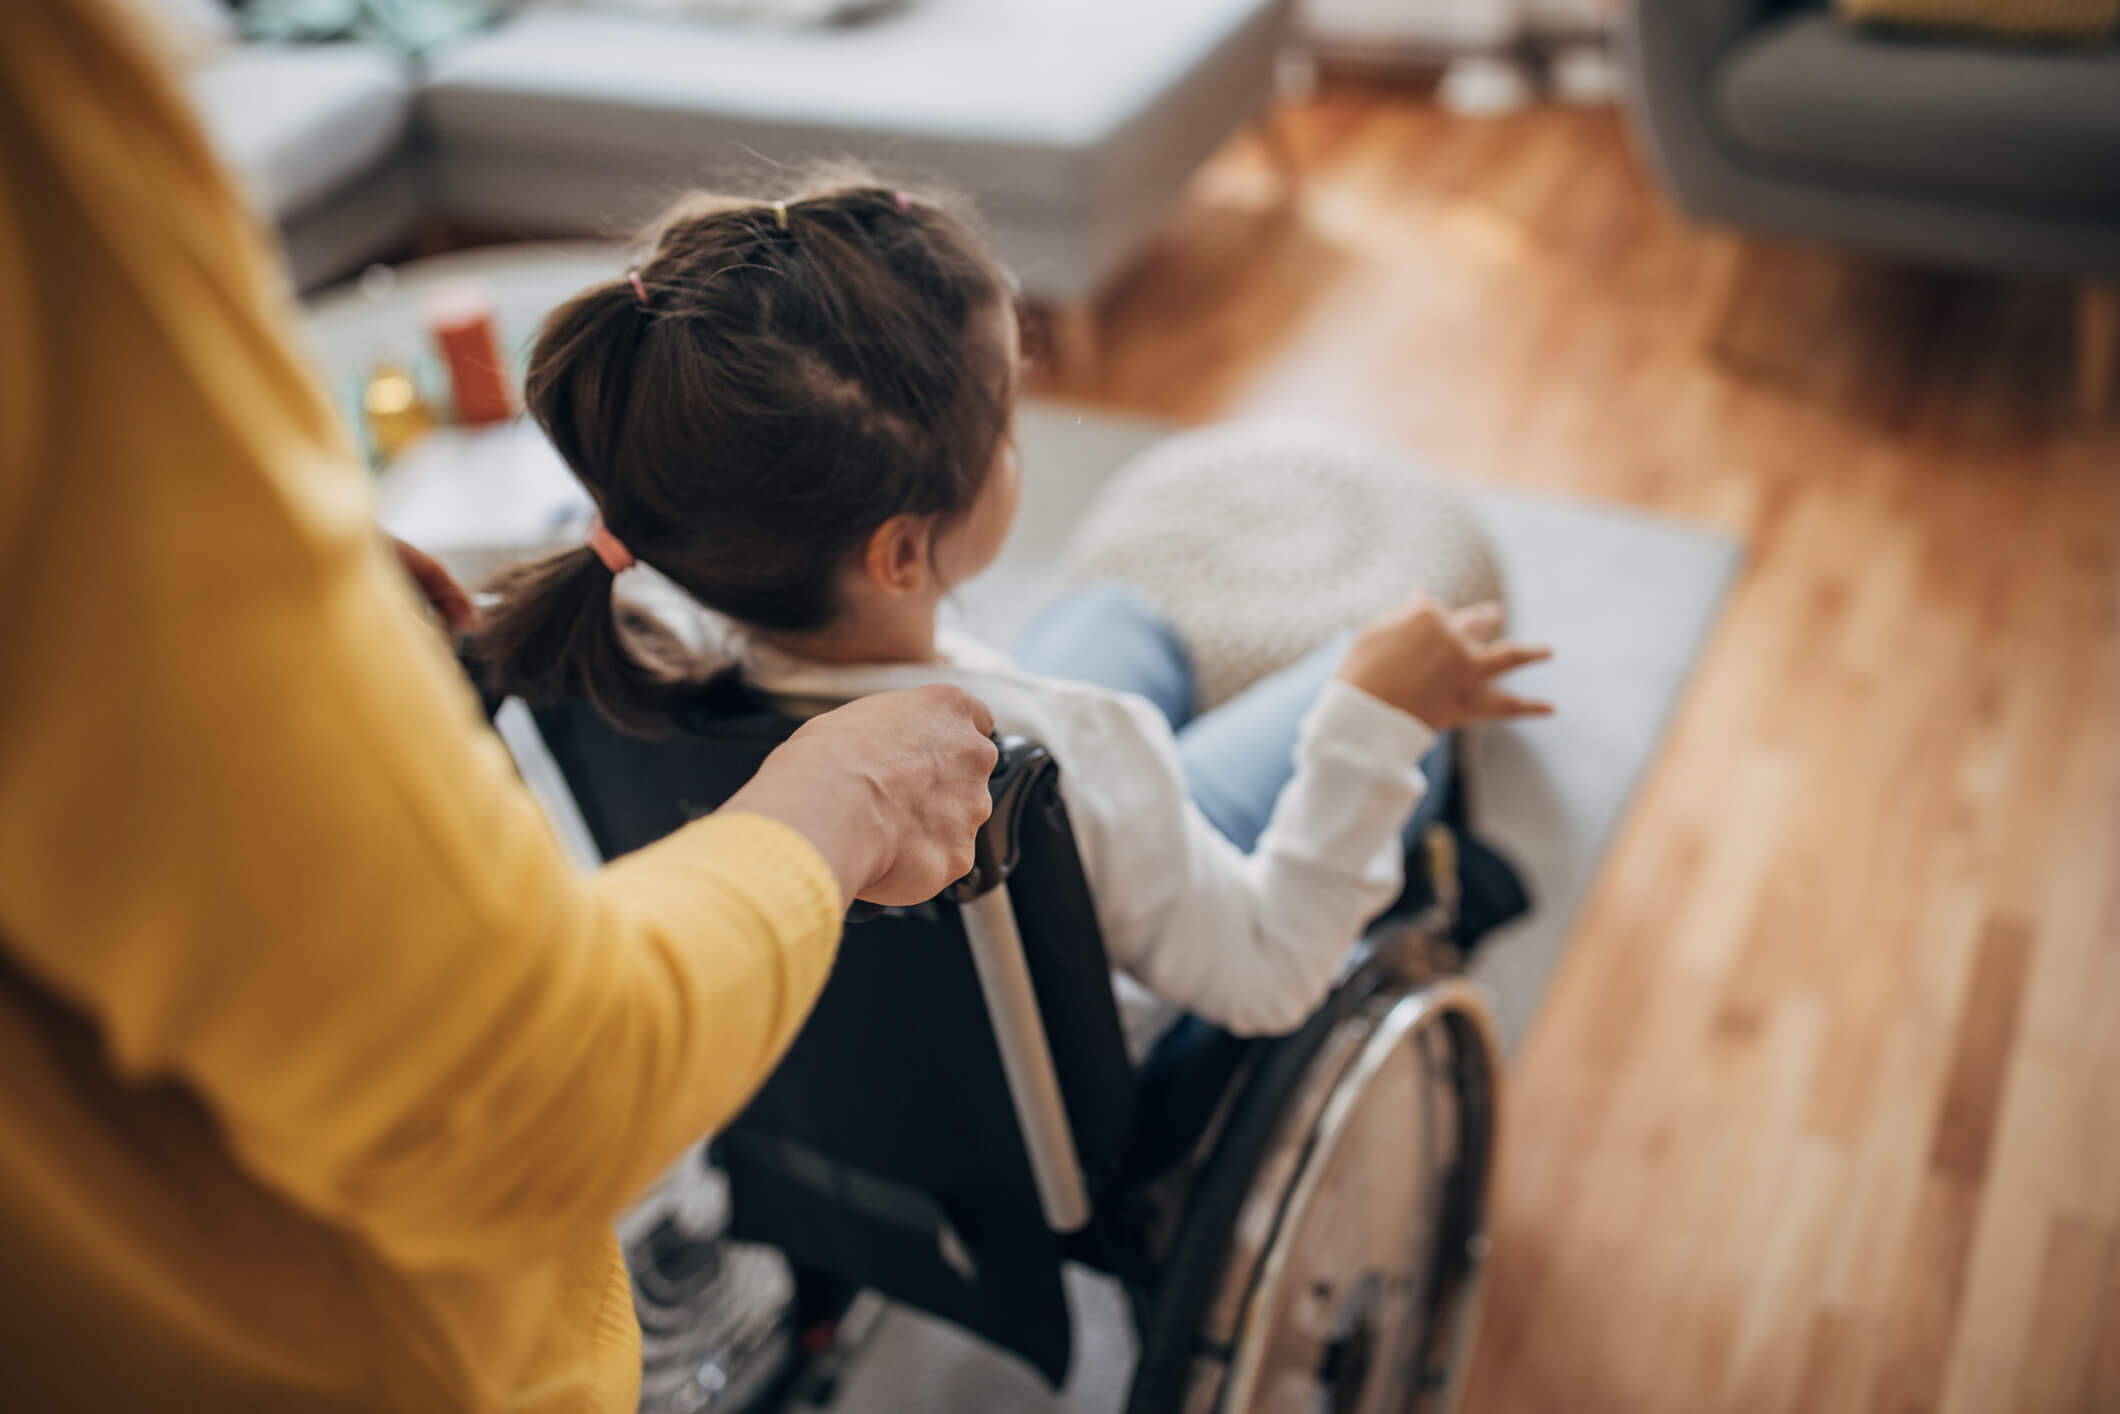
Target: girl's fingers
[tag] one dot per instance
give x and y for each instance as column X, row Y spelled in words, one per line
column 1505, row 705
column 1480, row 622
column 1506, row 657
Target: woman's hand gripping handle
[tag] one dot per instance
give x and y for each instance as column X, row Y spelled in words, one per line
column 891, row 789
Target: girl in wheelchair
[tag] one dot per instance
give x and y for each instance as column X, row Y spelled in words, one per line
column 799, row 414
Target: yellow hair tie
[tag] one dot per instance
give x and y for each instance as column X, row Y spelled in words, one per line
column 780, row 214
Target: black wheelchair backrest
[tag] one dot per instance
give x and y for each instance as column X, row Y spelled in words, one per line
column 885, row 1148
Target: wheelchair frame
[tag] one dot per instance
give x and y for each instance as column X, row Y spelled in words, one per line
column 1212, row 1290
column 1395, row 1003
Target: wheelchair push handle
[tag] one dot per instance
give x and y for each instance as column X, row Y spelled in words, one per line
column 1012, row 1007
column 998, row 847
column 1011, row 1000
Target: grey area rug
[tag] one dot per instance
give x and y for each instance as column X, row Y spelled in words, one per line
column 1627, row 600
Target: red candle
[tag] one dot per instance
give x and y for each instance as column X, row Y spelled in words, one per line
column 461, row 319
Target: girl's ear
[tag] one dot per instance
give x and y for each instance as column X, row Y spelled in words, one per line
column 897, row 559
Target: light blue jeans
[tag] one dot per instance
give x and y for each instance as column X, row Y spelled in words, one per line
column 1237, row 757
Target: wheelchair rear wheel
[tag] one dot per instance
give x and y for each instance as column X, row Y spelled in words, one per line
column 1349, row 1280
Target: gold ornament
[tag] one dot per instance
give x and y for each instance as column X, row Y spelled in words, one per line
column 397, row 415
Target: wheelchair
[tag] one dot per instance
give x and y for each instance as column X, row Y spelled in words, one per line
column 1299, row 1223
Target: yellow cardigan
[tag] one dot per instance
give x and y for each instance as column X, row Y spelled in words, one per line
column 321, row 1076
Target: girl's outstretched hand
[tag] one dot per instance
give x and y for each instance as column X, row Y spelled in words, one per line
column 1441, row 665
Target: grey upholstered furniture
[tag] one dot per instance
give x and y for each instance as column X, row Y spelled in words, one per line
column 1075, row 123
column 1775, row 117
column 319, row 137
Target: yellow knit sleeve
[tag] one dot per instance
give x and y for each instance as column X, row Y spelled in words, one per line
column 251, row 822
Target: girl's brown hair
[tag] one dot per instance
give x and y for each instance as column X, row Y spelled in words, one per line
column 796, row 375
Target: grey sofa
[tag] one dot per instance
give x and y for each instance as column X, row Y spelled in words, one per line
column 1778, row 118
column 1075, row 125
column 321, row 138
column 1773, row 116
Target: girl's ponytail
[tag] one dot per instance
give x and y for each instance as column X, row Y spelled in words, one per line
column 555, row 634
column 553, row 631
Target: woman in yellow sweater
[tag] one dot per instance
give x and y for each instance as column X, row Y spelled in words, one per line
column 321, row 1076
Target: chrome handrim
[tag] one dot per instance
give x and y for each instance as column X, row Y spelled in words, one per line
column 1337, row 1316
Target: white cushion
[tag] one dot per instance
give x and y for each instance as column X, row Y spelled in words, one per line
column 1259, row 541
column 299, row 122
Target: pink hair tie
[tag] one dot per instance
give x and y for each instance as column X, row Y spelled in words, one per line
column 640, row 291
column 903, row 202
column 616, row 557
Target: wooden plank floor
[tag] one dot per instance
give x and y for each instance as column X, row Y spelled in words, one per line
column 1823, row 1111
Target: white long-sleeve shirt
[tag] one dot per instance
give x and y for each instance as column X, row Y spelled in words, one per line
column 1250, row 942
